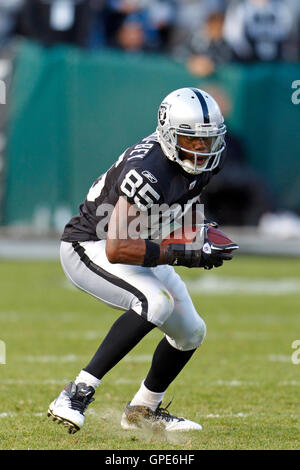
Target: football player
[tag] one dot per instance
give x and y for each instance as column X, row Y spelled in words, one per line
column 136, row 274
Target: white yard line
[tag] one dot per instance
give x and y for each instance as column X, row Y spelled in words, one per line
column 220, row 285
column 280, row 358
column 57, row 359
column 73, row 358
column 236, row 383
column 87, row 335
column 9, row 317
column 229, row 415
column 290, row 383
column 241, row 335
column 13, row 414
column 93, row 414
column 34, row 382
column 124, row 381
column 142, row 358
column 138, row 358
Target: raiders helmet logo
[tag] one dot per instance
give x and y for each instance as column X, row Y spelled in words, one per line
column 162, row 114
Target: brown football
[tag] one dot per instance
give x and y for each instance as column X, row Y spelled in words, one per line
column 187, row 234
column 182, row 235
column 217, row 237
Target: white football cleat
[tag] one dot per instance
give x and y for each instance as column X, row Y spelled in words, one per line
column 70, row 406
column 137, row 417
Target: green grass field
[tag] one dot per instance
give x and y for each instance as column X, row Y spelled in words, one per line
column 241, row 384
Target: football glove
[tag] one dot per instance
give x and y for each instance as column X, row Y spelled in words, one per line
column 207, row 257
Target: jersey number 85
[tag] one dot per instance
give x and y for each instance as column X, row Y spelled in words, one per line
column 144, row 196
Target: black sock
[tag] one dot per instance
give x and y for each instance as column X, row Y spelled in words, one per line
column 166, row 364
column 125, row 333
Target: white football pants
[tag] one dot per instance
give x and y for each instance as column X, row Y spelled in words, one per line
column 157, row 294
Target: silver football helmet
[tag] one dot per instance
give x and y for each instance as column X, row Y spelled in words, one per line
column 194, row 113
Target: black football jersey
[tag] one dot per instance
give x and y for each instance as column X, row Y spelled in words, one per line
column 146, row 178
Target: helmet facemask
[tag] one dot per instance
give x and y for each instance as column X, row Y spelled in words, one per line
column 202, row 160
column 216, row 146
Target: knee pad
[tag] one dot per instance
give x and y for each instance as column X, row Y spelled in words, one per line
column 199, row 334
column 160, row 307
column 192, row 339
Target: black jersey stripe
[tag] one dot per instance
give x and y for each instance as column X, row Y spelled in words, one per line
column 203, row 105
column 111, row 278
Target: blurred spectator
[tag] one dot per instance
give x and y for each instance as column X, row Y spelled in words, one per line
column 190, row 16
column 97, row 29
column 116, row 12
column 205, row 48
column 236, row 195
column 131, row 36
column 137, row 25
column 262, row 30
column 162, row 16
column 295, row 5
column 9, row 10
column 56, row 21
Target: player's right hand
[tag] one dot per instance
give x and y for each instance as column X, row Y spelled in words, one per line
column 212, row 259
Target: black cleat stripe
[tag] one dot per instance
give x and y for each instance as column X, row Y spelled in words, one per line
column 111, row 278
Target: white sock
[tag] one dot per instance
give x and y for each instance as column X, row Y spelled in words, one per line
column 145, row 397
column 88, row 379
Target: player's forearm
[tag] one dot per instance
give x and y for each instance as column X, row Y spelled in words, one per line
column 130, row 252
column 125, row 251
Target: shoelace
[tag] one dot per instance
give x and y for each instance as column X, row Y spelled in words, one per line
column 165, row 413
column 80, row 404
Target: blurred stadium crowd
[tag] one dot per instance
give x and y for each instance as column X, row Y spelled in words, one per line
column 200, row 33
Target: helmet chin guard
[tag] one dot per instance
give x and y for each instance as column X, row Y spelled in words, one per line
column 191, row 112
